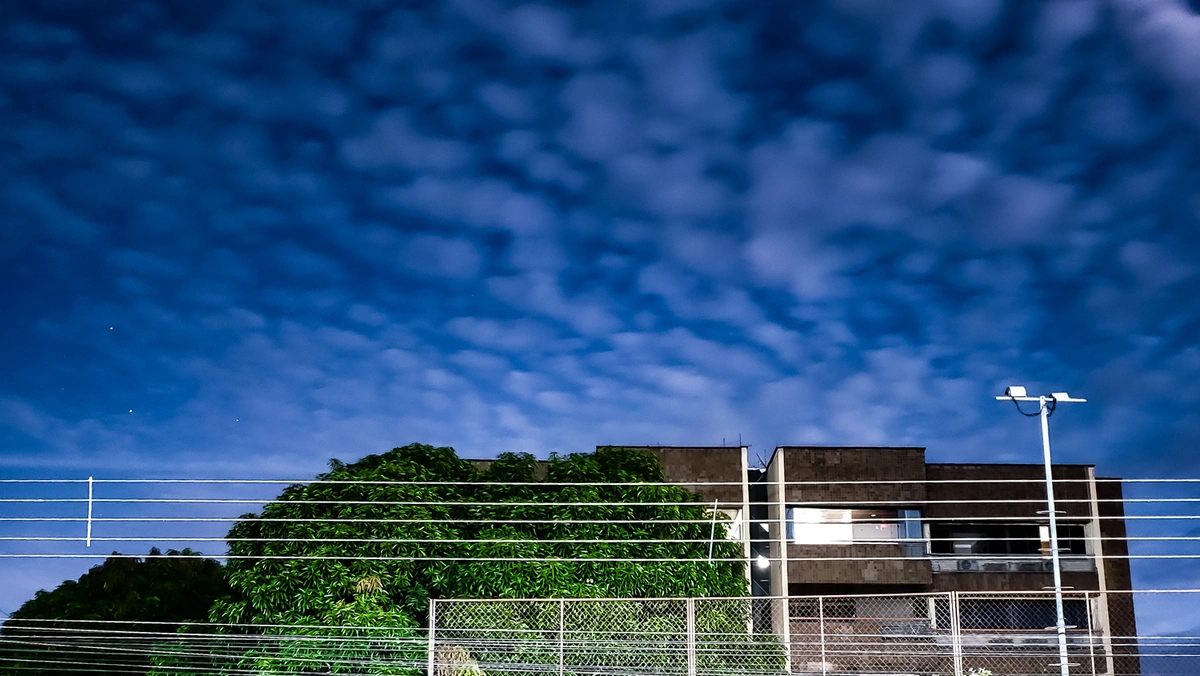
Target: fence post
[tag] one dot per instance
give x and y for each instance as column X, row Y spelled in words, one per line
column 562, row 625
column 690, row 608
column 89, row 517
column 821, row 624
column 784, row 611
column 1091, row 630
column 432, row 631
column 956, row 634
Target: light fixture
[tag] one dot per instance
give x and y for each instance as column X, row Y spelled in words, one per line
column 1046, row 406
column 762, row 562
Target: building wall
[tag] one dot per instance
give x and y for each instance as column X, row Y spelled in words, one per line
column 705, row 464
column 1011, row 491
column 869, row 564
column 903, row 467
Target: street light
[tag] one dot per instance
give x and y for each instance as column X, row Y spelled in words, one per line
column 1046, row 406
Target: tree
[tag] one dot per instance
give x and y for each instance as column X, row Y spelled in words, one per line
column 368, row 544
column 100, row 622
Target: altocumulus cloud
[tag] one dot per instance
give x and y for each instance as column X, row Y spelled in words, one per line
column 280, row 232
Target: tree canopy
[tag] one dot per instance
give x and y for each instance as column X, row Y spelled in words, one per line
column 369, row 543
column 420, row 522
column 335, row 576
column 83, row 624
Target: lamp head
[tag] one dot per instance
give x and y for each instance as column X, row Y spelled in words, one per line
column 1014, row 391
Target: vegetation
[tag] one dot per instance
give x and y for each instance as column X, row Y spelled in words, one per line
column 336, row 576
column 70, row 630
column 366, row 554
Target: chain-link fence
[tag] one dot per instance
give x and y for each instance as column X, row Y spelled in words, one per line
column 612, row 636
column 948, row 634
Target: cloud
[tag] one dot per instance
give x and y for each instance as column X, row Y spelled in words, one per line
column 528, row 226
column 1166, row 36
column 392, row 142
column 449, row 257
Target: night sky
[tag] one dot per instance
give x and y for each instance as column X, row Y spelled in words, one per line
column 240, row 238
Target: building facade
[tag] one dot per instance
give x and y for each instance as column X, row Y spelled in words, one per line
column 872, row 560
column 876, row 541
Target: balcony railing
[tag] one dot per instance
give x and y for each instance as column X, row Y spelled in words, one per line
column 1011, row 564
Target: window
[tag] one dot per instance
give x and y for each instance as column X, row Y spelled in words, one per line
column 733, row 527
column 818, row 526
column 841, row 607
column 1000, row 539
column 833, row 607
column 1011, row 614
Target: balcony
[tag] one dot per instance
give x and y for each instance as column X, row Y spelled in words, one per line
column 1012, row 564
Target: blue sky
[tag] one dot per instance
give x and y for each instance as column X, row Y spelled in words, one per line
column 240, row 238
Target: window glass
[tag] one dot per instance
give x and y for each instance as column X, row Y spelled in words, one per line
column 910, row 524
column 1031, row 614
column 1000, row 539
column 811, row 525
column 1010, row 614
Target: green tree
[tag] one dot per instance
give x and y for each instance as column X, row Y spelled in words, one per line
column 106, row 620
column 342, row 573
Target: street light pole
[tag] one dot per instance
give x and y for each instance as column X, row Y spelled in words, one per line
column 1046, row 406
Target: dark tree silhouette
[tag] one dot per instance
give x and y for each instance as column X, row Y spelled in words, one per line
column 103, row 622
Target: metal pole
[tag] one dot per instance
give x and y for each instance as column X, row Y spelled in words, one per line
column 1061, row 622
column 1091, row 634
column 89, row 518
column 712, row 533
column 432, row 628
column 821, row 623
column 955, row 633
column 562, row 616
column 690, row 608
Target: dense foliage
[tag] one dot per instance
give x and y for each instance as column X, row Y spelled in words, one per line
column 336, row 576
column 401, row 543
column 68, row 631
column 363, row 554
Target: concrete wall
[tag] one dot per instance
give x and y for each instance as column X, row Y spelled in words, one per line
column 875, row 564
column 854, row 464
column 699, row 464
column 1012, row 491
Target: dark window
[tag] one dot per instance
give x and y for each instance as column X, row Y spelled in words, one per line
column 999, row 539
column 1072, row 539
column 833, row 607
column 1009, row 614
column 1035, row 614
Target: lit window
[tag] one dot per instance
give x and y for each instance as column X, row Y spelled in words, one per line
column 818, row 526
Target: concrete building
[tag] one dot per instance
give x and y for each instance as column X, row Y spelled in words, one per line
column 902, row 566
column 877, row 540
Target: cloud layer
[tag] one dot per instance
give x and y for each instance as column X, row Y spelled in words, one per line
column 242, row 238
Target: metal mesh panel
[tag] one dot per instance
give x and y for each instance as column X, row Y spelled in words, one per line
column 619, row 636
column 634, row 636
column 949, row 634
column 865, row 634
column 509, row 637
column 1016, row 633
column 734, row 636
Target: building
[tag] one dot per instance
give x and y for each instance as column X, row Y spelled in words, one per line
column 872, row 560
column 876, row 542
